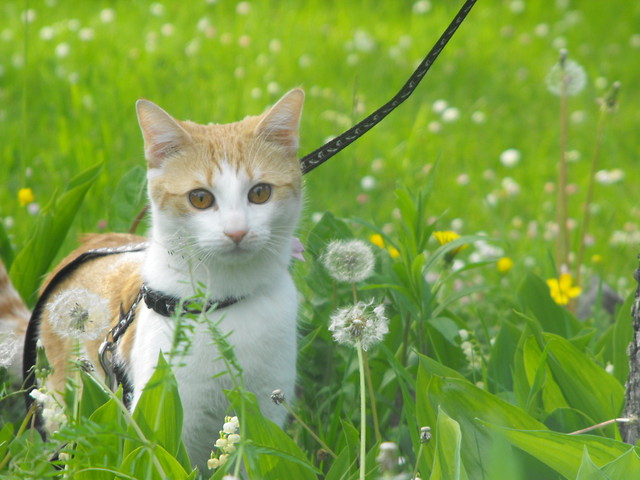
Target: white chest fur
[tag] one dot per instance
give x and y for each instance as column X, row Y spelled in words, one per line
column 262, row 329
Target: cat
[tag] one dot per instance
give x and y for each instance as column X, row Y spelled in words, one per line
column 225, row 200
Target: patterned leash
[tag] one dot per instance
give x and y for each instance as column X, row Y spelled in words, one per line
column 329, row 149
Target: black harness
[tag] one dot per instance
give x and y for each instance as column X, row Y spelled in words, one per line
column 161, row 303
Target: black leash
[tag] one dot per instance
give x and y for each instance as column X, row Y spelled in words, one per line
column 329, row 149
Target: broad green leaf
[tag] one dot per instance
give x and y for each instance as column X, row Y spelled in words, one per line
column 625, row 466
column 540, row 377
column 585, row 385
column 158, row 412
column 622, row 337
column 447, row 464
column 466, row 404
column 54, row 221
column 534, row 296
column 107, row 449
column 128, row 199
column 266, row 434
column 151, row 463
column 500, row 370
column 341, row 466
column 563, row 452
column 6, row 251
column 93, row 395
column 6, row 435
column 588, row 469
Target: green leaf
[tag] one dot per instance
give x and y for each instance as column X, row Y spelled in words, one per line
column 563, row 452
column 105, row 450
column 586, row 386
column 158, row 413
column 588, row 469
column 341, row 466
column 151, row 463
column 6, row 251
column 52, row 226
column 266, row 434
column 500, row 370
column 6, row 435
column 128, row 198
column 93, row 395
column 534, row 297
column 622, row 337
column 467, row 404
column 625, row 466
column 447, row 464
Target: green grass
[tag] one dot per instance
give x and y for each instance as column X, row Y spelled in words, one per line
column 62, row 114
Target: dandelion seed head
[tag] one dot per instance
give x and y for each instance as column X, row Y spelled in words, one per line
column 349, row 261
column 360, row 323
column 566, row 77
column 9, row 347
column 79, row 313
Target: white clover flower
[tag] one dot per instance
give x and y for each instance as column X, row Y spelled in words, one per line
column 421, row 7
column 243, row 8
column 156, row 9
column 360, row 323
column 349, row 261
column 566, row 77
column 62, row 50
column 510, row 157
column 388, row 457
column 439, row 106
column 107, row 15
column 368, row 182
column 450, row 114
column 9, row 346
column 79, row 313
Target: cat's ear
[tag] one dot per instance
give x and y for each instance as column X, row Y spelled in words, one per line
column 280, row 124
column 163, row 136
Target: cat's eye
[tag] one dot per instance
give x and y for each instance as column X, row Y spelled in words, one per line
column 260, row 193
column 201, row 198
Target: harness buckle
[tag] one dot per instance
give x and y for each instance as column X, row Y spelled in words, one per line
column 105, row 353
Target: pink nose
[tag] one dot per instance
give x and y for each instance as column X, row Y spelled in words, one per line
column 236, row 236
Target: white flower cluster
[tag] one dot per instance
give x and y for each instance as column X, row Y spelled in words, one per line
column 467, row 347
column 360, row 323
column 226, row 444
column 51, row 411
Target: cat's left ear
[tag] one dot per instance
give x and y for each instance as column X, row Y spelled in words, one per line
column 280, row 124
column 163, row 136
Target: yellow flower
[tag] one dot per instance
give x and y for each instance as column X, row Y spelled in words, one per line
column 562, row 290
column 448, row 236
column 25, row 196
column 504, row 264
column 596, row 258
column 377, row 240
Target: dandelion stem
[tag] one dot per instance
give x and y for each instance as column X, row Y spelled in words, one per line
column 587, row 204
column 604, row 424
column 562, row 207
column 415, row 469
column 308, row 429
column 374, row 408
column 363, row 413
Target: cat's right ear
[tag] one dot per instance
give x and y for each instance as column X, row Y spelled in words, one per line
column 163, row 136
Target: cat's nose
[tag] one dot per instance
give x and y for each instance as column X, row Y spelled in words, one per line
column 236, row 235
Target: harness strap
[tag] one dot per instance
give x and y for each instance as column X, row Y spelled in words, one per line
column 161, row 303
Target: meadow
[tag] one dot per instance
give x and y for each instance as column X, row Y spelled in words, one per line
column 477, row 349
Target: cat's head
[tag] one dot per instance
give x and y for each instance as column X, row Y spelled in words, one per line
column 225, row 193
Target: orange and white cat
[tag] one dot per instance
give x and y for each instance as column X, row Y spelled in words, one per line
column 225, row 202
